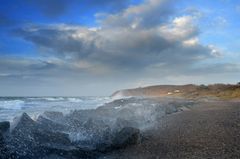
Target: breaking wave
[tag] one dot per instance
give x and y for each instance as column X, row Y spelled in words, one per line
column 14, row 106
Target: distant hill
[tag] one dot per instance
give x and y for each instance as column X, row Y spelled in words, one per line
column 222, row 91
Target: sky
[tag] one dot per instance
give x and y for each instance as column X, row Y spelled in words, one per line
column 95, row 47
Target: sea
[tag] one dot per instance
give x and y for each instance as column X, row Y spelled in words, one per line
column 11, row 107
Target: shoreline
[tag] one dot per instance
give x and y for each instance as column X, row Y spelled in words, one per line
column 209, row 130
column 155, row 128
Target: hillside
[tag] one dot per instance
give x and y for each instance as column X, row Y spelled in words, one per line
column 222, row 91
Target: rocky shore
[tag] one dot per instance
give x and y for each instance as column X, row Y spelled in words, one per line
column 128, row 128
column 84, row 133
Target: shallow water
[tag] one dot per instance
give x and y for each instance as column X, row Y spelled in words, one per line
column 10, row 107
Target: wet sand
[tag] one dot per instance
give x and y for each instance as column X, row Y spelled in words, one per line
column 208, row 130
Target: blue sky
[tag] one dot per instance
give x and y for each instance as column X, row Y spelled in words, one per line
column 82, row 47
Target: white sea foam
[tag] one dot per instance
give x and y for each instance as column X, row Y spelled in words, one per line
column 34, row 106
column 12, row 104
column 54, row 98
column 77, row 100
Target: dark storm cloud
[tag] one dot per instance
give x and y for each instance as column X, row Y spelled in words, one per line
column 60, row 41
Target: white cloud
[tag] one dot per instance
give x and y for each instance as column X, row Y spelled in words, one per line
column 146, row 40
column 191, row 42
column 181, row 28
column 129, row 40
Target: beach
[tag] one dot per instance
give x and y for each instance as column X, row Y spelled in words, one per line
column 208, row 130
column 145, row 128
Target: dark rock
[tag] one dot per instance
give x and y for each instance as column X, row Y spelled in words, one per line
column 95, row 125
column 95, row 132
column 23, row 124
column 76, row 119
column 28, row 136
column 55, row 116
column 27, row 129
column 50, row 137
column 22, row 141
column 126, row 137
column 50, row 124
column 3, row 149
column 4, row 126
column 81, row 115
column 4, row 129
column 69, row 152
column 121, row 123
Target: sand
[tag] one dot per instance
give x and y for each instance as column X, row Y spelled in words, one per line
column 208, row 130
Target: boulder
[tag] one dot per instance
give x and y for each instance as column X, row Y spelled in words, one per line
column 55, row 116
column 48, row 124
column 43, row 131
column 2, row 147
column 95, row 131
column 23, row 124
column 95, row 125
column 4, row 126
column 126, row 137
column 22, row 140
column 50, row 137
column 68, row 152
column 28, row 136
column 122, row 123
column 4, row 129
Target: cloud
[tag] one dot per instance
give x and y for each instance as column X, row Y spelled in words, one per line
column 11, row 66
column 139, row 44
column 52, row 77
column 148, row 14
column 124, row 47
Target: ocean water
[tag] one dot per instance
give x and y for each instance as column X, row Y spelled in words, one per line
column 11, row 107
